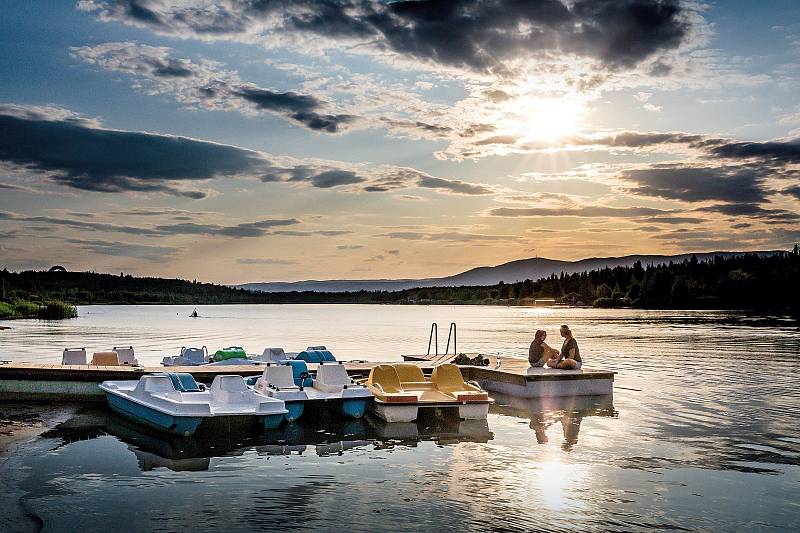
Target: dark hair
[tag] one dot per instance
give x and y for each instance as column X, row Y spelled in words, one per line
column 565, row 327
column 539, row 335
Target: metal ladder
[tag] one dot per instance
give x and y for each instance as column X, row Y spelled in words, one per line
column 433, row 339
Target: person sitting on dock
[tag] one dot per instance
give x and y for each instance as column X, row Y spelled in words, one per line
column 539, row 352
column 570, row 356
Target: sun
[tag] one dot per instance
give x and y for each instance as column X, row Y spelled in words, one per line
column 548, row 119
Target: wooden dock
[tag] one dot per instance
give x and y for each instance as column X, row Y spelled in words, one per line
column 53, row 382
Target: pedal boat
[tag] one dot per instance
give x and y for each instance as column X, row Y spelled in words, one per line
column 188, row 357
column 330, row 387
column 175, row 403
column 401, row 389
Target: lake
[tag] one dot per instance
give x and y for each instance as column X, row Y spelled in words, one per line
column 701, row 433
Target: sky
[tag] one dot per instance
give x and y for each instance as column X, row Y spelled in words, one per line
column 270, row 140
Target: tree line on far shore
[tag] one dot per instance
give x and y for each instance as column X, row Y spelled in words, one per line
column 747, row 281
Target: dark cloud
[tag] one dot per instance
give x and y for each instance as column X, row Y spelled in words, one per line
column 245, row 229
column 662, row 219
column 787, row 152
column 95, row 159
column 696, row 184
column 484, row 36
column 753, row 210
column 299, row 107
column 335, row 178
column 583, row 212
column 455, row 186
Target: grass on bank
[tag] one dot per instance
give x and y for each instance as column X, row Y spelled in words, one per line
column 53, row 310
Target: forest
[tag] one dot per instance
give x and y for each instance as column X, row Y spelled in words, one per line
column 748, row 281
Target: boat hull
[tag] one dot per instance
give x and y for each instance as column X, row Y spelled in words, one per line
column 355, row 408
column 272, row 421
column 177, row 425
column 393, row 412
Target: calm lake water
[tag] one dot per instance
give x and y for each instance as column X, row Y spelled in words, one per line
column 702, row 432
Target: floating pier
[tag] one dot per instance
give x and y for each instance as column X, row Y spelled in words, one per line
column 515, row 377
column 53, row 382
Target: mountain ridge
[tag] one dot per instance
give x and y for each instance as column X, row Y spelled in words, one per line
column 512, row 271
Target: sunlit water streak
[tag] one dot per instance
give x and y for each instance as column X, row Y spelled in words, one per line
column 702, row 433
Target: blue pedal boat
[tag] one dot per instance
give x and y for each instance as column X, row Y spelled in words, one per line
column 176, row 403
column 331, row 386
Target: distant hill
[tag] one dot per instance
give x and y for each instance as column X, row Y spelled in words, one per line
column 519, row 270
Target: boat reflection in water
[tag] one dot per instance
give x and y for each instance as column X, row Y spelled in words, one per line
column 322, row 437
column 545, row 412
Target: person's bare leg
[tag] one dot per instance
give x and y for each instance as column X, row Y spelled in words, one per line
column 552, row 363
column 567, row 364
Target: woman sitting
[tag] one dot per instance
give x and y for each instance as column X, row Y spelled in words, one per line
column 570, row 356
column 540, row 352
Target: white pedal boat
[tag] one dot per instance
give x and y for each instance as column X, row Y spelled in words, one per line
column 188, row 357
column 175, row 403
column 291, row 382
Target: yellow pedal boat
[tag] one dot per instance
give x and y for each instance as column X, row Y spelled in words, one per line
column 401, row 389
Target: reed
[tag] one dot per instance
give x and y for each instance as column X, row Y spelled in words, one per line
column 52, row 310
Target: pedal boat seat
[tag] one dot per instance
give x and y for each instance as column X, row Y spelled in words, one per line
column 184, row 382
column 126, row 356
column 332, row 378
column 74, row 357
column 279, row 377
column 385, row 385
column 105, row 359
column 448, row 380
column 411, row 377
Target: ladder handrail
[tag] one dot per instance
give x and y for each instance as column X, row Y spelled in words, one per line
column 434, row 334
column 451, row 330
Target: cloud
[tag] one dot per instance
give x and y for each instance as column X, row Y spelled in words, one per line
column 674, row 220
column 206, row 84
column 244, row 229
column 583, row 212
column 454, row 236
column 481, row 36
column 246, row 261
column 300, row 107
column 349, row 247
column 82, row 156
column 696, row 184
column 335, row 178
column 393, row 252
column 752, row 209
column 147, row 252
column 782, row 152
column 78, row 153
column 455, row 186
